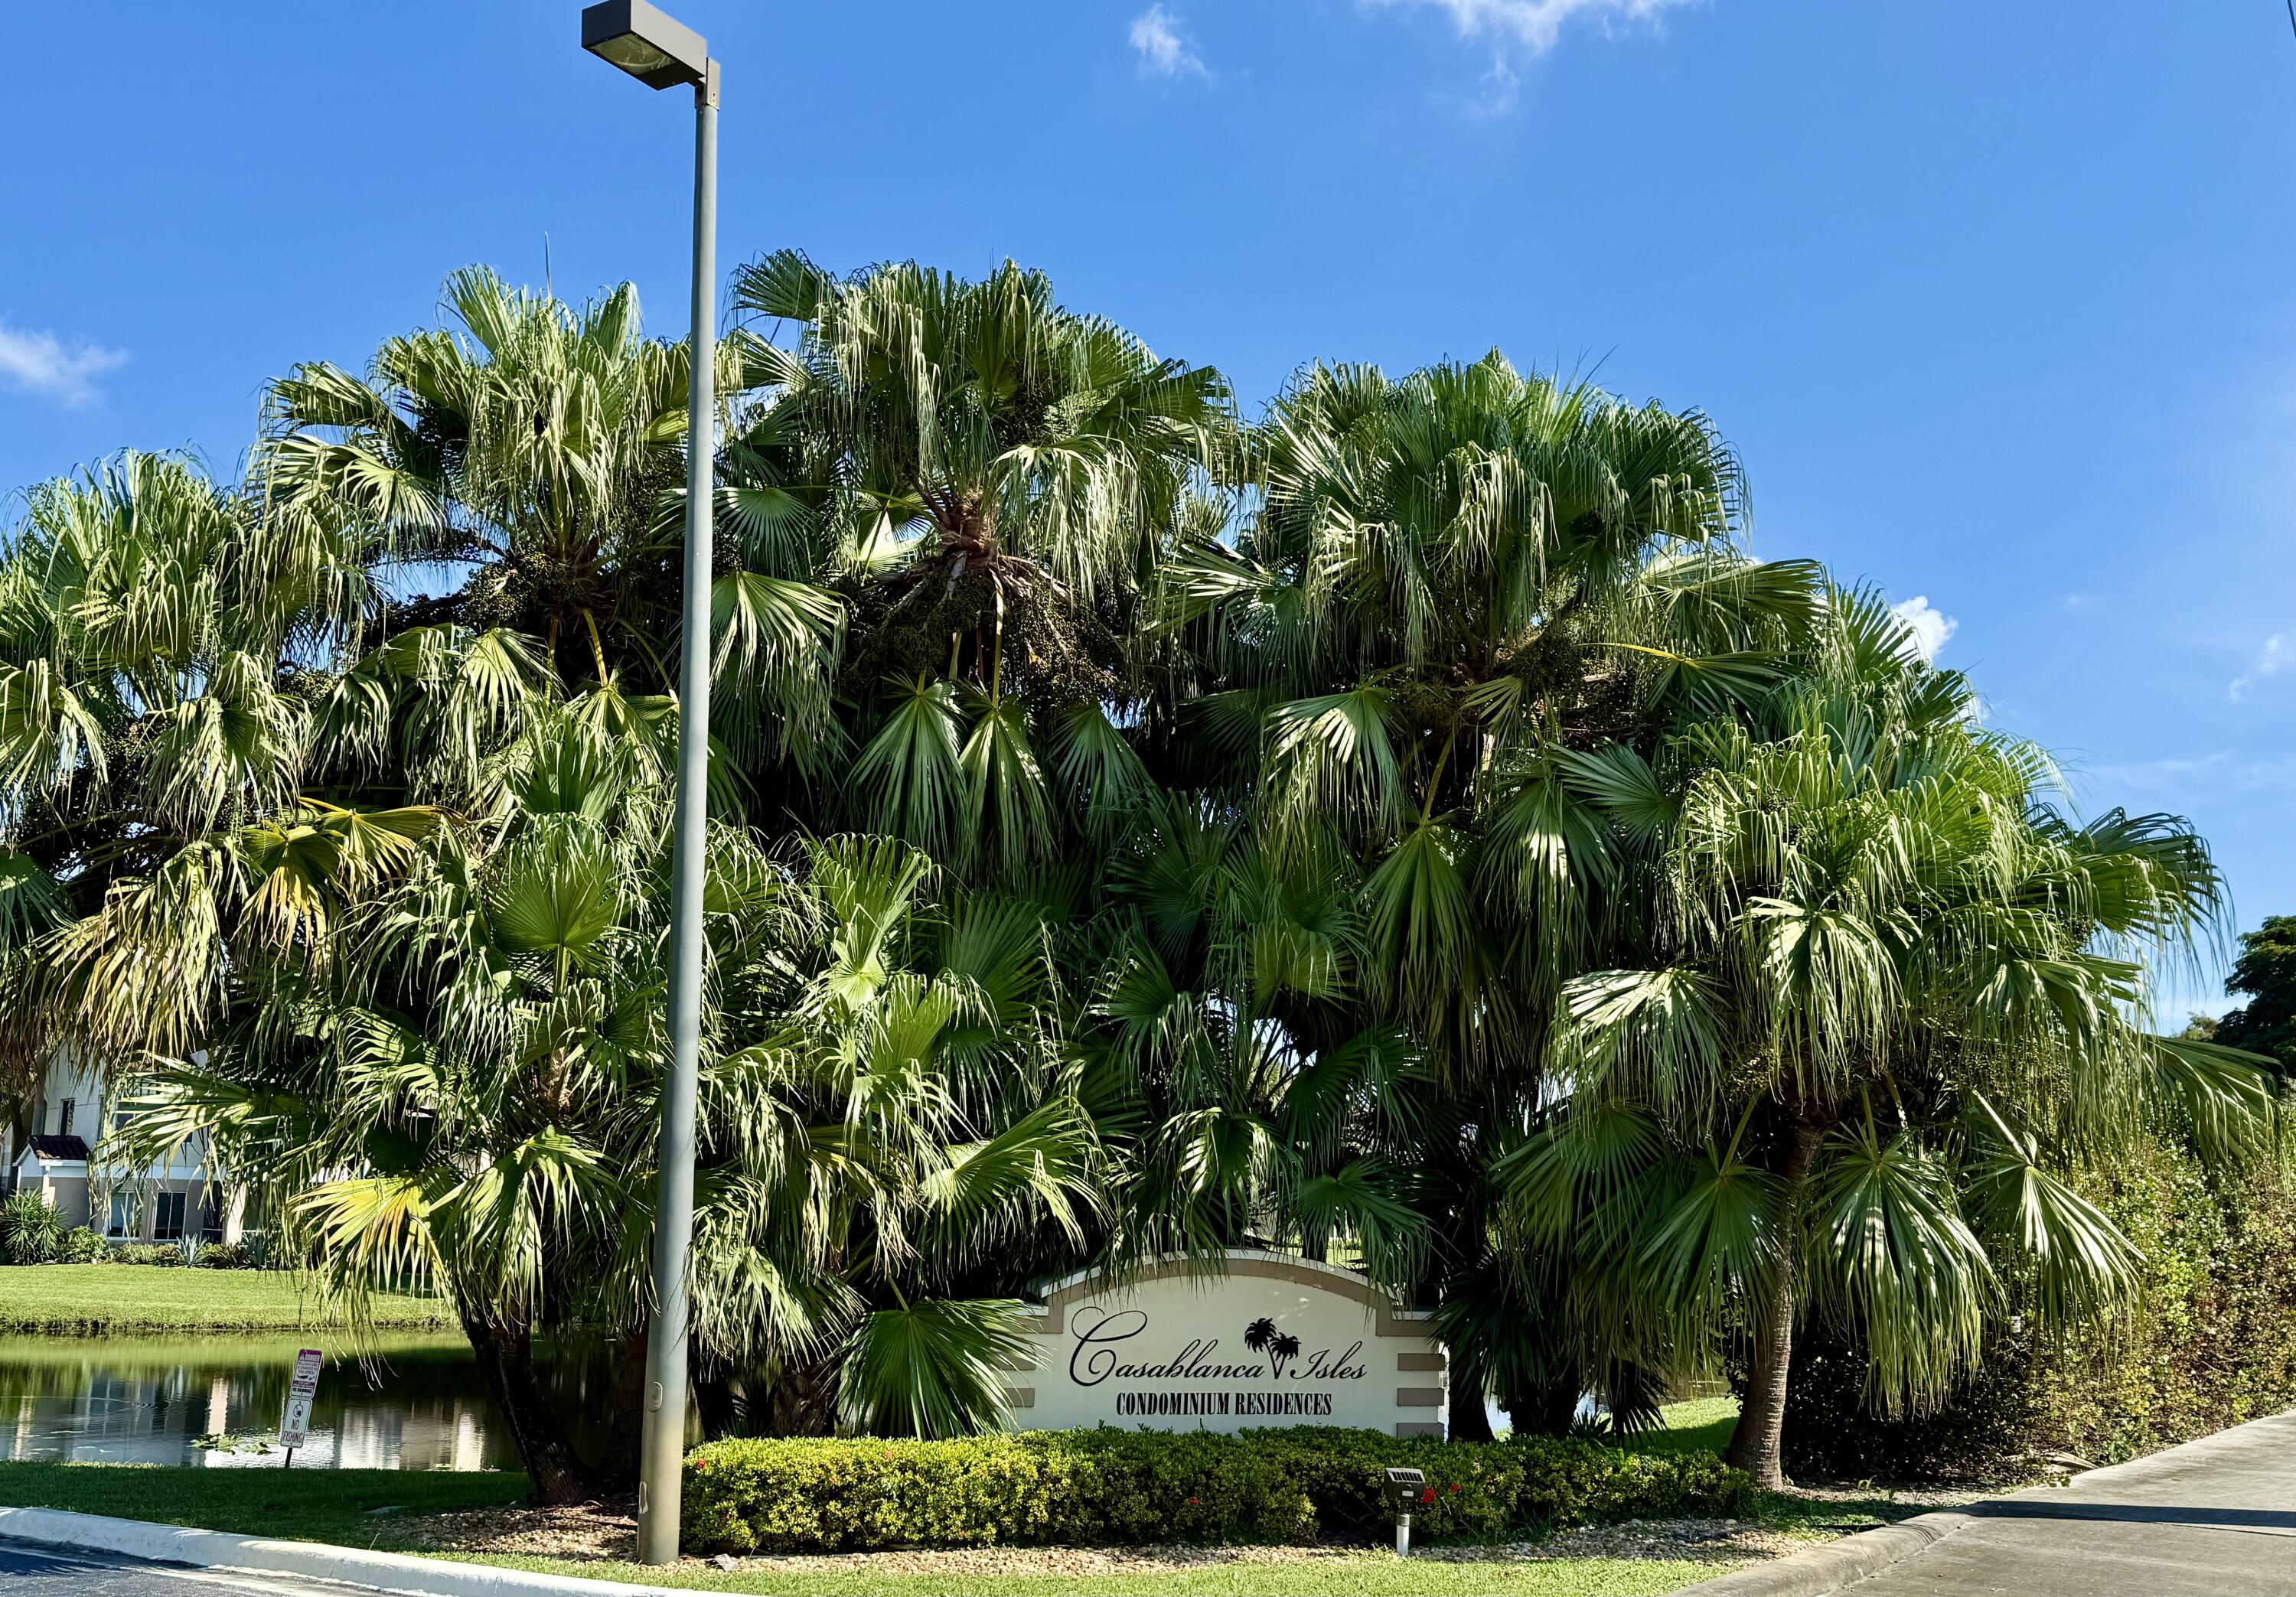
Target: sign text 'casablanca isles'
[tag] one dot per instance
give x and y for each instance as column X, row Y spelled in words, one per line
column 1268, row 1340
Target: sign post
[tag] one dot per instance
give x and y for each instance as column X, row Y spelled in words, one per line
column 295, row 1421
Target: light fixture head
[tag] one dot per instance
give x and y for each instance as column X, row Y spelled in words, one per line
column 647, row 42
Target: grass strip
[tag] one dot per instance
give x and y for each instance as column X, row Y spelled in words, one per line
column 124, row 1299
column 314, row 1505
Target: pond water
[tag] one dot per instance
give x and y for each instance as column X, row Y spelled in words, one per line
column 415, row 1402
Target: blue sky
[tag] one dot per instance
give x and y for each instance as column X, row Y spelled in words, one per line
column 1993, row 299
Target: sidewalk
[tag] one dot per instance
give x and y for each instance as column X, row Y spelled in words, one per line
column 2215, row 1518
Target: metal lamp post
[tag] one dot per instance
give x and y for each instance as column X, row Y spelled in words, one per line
column 661, row 53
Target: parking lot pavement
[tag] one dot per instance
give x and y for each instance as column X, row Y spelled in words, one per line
column 30, row 1571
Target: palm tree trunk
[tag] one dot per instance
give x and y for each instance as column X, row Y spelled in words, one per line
column 1471, row 1411
column 803, row 1399
column 619, row 1468
column 506, row 1358
column 715, row 1404
column 1754, row 1445
column 1542, row 1408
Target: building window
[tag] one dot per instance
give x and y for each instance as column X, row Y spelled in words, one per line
column 123, row 1215
column 64, row 1118
column 168, row 1226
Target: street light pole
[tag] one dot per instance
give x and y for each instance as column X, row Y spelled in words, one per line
column 660, row 52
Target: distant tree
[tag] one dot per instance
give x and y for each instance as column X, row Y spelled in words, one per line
column 2265, row 971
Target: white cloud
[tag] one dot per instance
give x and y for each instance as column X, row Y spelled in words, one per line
column 1534, row 25
column 1929, row 626
column 40, row 363
column 2276, row 659
column 1162, row 48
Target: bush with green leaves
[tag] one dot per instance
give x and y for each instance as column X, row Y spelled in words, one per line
column 1106, row 1488
column 162, row 1253
column 2216, row 1343
column 223, row 1256
column 2211, row 1343
column 29, row 1229
column 80, row 1245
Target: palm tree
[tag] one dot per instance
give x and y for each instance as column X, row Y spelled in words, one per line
column 1448, row 575
column 531, row 441
column 922, row 1153
column 1443, row 583
column 994, row 479
column 528, row 457
column 156, row 636
column 1881, row 996
column 459, row 1083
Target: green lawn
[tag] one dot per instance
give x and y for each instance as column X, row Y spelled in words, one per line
column 317, row 1505
column 1701, row 1425
column 120, row 1299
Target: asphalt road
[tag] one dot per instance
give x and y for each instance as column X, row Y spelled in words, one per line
column 2215, row 1518
column 30, row 1571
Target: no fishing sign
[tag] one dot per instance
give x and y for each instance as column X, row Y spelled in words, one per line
column 295, row 1421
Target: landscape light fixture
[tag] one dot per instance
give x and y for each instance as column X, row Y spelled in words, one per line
column 661, row 51
column 1405, row 1489
column 650, row 45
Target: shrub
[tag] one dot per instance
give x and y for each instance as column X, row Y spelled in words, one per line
column 1980, row 1435
column 79, row 1246
column 1107, row 1486
column 28, row 1230
column 162, row 1253
column 2215, row 1344
column 223, row 1256
column 2212, row 1344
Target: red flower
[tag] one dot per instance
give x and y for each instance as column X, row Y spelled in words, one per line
column 1193, row 1501
column 1454, row 1485
column 1428, row 1495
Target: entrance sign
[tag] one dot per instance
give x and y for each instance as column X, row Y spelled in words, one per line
column 295, row 1421
column 1258, row 1338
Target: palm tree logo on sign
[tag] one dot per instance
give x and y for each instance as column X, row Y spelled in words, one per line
column 1280, row 1346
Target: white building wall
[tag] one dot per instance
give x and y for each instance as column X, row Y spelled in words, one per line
column 125, row 1202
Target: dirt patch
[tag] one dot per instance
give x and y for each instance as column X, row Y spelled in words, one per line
column 608, row 1530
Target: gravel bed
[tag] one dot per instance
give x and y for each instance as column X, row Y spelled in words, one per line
column 609, row 1531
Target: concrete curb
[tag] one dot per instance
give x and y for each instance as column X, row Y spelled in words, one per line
column 310, row 1561
column 1836, row 1565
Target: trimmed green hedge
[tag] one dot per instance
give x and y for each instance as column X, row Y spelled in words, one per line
column 1109, row 1487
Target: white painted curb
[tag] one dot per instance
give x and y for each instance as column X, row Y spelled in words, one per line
column 311, row 1561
